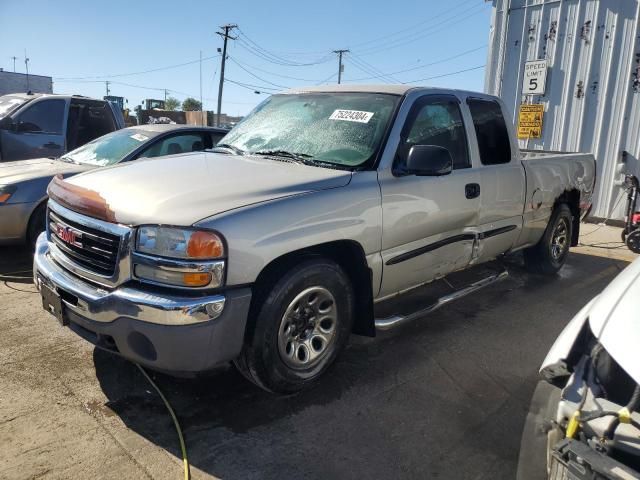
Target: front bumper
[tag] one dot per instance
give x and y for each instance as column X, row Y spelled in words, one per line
column 171, row 333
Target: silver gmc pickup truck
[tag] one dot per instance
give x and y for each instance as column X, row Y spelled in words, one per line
column 307, row 223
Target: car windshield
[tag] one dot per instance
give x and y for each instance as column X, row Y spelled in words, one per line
column 8, row 103
column 343, row 129
column 109, row 149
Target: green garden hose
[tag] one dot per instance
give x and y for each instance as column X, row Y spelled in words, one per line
column 185, row 461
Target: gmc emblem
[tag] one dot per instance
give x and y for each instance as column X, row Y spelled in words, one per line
column 67, row 235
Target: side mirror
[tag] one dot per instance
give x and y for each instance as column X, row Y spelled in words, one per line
column 429, row 160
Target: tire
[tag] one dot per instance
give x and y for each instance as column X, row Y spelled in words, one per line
column 550, row 253
column 300, row 326
column 36, row 224
column 538, row 435
column 633, row 241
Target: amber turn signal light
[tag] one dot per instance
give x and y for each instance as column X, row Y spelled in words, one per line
column 205, row 245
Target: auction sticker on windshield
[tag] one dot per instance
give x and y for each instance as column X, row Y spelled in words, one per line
column 351, row 116
column 139, row 137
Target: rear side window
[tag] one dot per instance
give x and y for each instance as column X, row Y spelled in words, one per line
column 491, row 131
column 45, row 116
column 182, row 143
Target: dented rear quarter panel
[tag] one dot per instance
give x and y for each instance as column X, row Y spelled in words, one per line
column 549, row 175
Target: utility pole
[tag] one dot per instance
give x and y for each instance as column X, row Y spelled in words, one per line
column 26, row 65
column 106, row 84
column 225, row 35
column 165, row 96
column 340, row 66
column 201, row 104
column 14, row 64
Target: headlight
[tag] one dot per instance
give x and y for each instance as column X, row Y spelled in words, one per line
column 179, row 243
column 6, row 191
column 179, row 257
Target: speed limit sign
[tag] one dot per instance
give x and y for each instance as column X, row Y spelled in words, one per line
column 535, row 77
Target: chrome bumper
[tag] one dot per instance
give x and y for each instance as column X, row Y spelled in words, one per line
column 101, row 305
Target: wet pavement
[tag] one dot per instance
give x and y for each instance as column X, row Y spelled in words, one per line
column 444, row 397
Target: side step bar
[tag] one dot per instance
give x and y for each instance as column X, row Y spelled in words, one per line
column 395, row 320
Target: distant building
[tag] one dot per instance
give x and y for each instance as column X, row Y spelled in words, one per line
column 11, row 82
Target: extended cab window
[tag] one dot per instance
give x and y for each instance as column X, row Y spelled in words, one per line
column 436, row 120
column 491, row 131
column 45, row 116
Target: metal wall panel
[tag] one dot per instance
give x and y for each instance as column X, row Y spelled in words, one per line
column 593, row 83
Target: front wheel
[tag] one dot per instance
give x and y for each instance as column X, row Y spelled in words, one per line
column 550, row 253
column 301, row 324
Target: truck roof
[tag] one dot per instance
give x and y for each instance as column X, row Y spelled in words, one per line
column 393, row 89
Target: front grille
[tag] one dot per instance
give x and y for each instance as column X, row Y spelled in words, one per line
column 92, row 249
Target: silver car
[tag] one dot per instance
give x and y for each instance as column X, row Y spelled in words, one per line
column 23, row 184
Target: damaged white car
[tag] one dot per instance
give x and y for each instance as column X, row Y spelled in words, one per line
column 584, row 421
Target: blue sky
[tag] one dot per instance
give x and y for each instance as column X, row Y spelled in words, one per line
column 280, row 44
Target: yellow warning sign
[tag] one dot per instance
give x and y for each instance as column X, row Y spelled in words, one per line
column 530, row 120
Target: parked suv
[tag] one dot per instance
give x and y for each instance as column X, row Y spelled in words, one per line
column 42, row 125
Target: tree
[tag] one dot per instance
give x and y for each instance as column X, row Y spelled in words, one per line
column 171, row 103
column 191, row 105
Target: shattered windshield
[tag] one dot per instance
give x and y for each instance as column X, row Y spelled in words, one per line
column 109, row 149
column 344, row 129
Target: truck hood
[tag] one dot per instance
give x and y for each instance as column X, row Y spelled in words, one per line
column 182, row 189
column 614, row 318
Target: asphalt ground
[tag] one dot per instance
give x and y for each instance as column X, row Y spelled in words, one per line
column 444, row 397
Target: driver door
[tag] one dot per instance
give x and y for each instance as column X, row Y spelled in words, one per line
column 429, row 222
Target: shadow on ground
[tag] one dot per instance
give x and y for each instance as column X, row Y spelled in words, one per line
column 443, row 397
column 16, row 265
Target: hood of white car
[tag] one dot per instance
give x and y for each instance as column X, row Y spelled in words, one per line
column 182, row 189
column 614, row 318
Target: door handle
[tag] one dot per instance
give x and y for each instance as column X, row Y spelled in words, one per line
column 472, row 190
column 51, row 145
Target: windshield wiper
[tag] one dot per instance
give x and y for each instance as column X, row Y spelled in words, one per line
column 228, row 146
column 303, row 158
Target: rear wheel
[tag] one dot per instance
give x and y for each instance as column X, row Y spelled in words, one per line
column 301, row 324
column 550, row 253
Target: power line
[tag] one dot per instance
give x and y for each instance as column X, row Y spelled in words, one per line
column 446, row 74
column 136, row 73
column 248, row 44
column 452, row 57
column 256, row 76
column 245, row 64
column 251, row 86
column 375, row 70
column 419, row 24
column 432, row 30
column 326, row 79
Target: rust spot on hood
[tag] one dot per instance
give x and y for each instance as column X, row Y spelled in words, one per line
column 80, row 199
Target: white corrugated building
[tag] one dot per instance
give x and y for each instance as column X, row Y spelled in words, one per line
column 591, row 101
